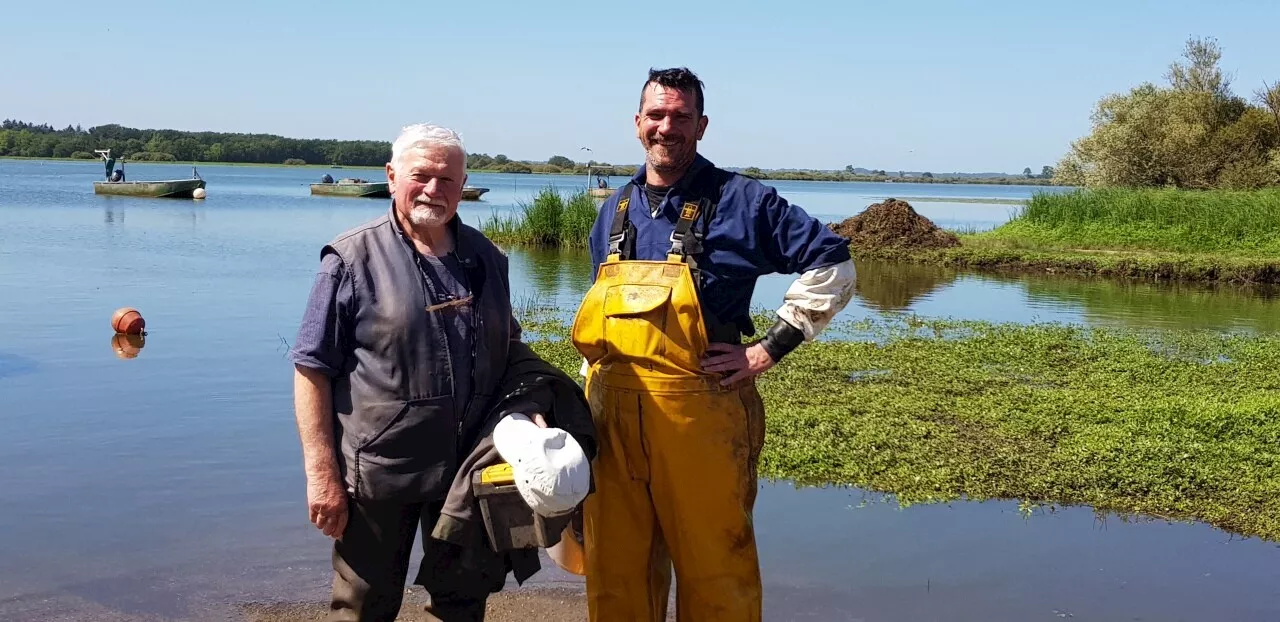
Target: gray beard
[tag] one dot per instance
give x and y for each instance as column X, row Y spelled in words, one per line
column 680, row 165
column 426, row 216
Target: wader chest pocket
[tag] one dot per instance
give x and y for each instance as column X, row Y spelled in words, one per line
column 635, row 320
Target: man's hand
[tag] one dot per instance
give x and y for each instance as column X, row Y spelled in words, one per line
column 327, row 502
column 740, row 361
column 539, row 420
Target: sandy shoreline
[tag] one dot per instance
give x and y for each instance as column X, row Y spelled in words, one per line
column 527, row 603
column 543, row 603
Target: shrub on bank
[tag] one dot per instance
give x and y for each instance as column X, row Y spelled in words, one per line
column 551, row 220
column 153, row 156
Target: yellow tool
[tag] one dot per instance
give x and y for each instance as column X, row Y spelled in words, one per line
column 509, row 521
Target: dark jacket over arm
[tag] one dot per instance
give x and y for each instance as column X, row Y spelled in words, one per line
column 530, row 385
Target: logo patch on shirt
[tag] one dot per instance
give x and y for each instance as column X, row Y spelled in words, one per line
column 622, row 205
column 690, row 211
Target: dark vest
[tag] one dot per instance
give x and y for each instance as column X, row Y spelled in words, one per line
column 399, row 434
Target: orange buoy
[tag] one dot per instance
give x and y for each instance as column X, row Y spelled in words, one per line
column 127, row 320
column 127, row 346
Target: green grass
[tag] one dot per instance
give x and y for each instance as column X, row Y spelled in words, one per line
column 1145, row 234
column 1217, row 221
column 980, row 252
column 1181, row 425
column 549, row 220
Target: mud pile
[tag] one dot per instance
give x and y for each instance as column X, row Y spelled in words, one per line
column 893, row 225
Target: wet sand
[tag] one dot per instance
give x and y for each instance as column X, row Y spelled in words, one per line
column 511, row 605
column 536, row 603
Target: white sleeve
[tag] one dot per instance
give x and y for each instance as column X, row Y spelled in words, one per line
column 817, row 296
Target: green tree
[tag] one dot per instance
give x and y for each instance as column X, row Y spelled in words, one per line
column 500, row 159
column 1269, row 97
column 1026, row 172
column 1199, row 71
column 213, row 153
column 752, row 171
column 560, row 161
column 1193, row 133
column 927, row 175
column 1046, row 172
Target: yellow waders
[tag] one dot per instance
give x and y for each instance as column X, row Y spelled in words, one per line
column 676, row 471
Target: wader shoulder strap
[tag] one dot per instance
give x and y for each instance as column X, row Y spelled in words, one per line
column 619, row 242
column 686, row 241
column 705, row 192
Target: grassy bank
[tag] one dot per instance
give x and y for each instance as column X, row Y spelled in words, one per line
column 1150, row 234
column 1231, row 222
column 1178, row 424
column 550, row 220
column 977, row 253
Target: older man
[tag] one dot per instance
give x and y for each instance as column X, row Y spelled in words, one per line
column 407, row 355
column 678, row 251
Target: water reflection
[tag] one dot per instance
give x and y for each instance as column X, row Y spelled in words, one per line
column 1163, row 305
column 550, row 277
column 127, row 346
column 558, row 279
column 852, row 557
column 13, row 365
column 886, row 286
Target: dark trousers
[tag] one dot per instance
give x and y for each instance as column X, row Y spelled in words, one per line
column 371, row 562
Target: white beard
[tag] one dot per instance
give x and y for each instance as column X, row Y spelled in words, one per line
column 427, row 215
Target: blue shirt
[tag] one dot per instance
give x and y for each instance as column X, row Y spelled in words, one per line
column 322, row 342
column 754, row 232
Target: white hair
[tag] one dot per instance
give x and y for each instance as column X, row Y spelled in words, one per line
column 422, row 135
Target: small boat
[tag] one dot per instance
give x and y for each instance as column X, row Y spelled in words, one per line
column 352, row 187
column 600, row 188
column 472, row 193
column 115, row 183
column 169, row 188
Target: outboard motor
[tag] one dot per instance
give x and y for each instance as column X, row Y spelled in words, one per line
column 118, row 176
column 326, row 179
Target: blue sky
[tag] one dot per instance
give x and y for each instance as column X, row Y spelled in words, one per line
column 932, row 86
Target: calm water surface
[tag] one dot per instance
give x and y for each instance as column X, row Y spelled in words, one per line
column 169, row 486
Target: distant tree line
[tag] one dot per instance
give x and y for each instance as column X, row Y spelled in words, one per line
column 896, row 176
column 43, row 141
column 27, row 140
column 1194, row 133
column 554, row 165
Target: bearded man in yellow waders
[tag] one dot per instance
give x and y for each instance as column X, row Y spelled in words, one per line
column 677, row 252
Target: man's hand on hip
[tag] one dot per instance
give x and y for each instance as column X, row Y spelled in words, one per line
column 740, row 361
column 327, row 502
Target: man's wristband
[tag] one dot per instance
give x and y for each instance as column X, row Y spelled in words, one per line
column 781, row 339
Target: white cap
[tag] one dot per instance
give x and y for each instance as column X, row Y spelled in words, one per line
column 551, row 471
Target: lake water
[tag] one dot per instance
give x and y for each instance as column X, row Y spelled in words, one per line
column 169, row 486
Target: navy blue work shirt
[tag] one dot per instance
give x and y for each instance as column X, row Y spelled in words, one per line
column 754, row 232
